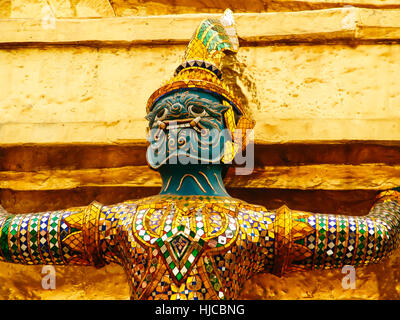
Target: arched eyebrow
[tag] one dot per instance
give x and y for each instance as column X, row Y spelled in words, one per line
column 157, row 107
column 151, row 115
column 214, row 109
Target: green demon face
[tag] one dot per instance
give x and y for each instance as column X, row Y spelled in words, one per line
column 186, row 127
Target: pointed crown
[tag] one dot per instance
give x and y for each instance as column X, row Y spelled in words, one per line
column 202, row 61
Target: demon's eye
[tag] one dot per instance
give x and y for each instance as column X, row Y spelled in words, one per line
column 161, row 114
column 198, row 111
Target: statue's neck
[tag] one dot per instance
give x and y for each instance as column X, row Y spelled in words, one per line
column 192, row 180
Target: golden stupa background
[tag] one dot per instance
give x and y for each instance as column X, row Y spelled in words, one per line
column 321, row 79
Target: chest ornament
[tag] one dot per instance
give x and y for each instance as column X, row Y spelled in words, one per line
column 180, row 237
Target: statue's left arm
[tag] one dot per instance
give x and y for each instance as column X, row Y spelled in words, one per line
column 306, row 241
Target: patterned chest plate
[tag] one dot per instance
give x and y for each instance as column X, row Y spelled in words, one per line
column 181, row 234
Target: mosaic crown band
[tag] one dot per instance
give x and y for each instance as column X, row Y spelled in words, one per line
column 192, row 240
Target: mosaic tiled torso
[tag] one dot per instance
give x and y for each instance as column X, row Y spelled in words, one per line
column 190, row 247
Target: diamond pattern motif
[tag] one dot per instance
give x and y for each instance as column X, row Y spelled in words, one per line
column 179, row 245
column 13, row 239
column 180, row 248
column 322, row 239
column 33, row 238
column 43, row 238
column 331, row 242
column 53, row 234
column 341, row 240
column 23, row 240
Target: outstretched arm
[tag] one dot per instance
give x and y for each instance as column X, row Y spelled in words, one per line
column 58, row 237
column 307, row 241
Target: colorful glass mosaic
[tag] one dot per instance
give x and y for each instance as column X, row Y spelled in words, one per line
column 193, row 247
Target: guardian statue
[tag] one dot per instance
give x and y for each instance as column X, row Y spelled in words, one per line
column 192, row 240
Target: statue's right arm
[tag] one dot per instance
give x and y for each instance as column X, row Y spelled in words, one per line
column 308, row 241
column 67, row 237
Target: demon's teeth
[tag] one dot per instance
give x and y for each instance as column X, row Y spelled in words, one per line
column 183, row 125
column 194, row 122
column 161, row 124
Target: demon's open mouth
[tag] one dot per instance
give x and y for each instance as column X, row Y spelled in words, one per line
column 168, row 125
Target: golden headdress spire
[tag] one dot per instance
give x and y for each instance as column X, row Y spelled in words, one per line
column 210, row 41
column 202, row 61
